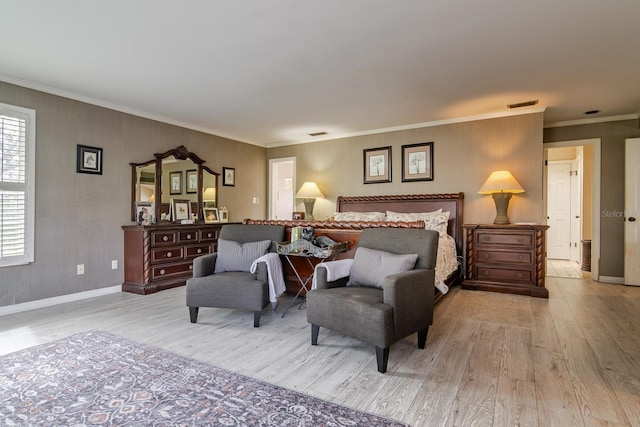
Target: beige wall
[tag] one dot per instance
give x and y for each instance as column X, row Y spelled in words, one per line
column 464, row 156
column 78, row 216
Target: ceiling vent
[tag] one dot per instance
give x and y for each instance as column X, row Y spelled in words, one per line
column 522, row 104
column 318, row 134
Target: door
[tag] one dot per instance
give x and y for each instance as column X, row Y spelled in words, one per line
column 632, row 213
column 559, row 210
column 576, row 209
column 281, row 189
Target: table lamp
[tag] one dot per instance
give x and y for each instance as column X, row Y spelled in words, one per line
column 501, row 185
column 309, row 192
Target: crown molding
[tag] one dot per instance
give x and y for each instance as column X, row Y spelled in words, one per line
column 592, row 120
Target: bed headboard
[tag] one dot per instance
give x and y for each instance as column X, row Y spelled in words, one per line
column 411, row 203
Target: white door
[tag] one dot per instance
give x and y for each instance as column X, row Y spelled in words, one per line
column 558, row 210
column 632, row 212
column 281, row 189
column 576, row 209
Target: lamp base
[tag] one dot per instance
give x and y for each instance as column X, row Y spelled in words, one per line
column 502, row 204
column 308, row 207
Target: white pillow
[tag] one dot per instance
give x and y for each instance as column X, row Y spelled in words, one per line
column 370, row 266
column 234, row 256
column 436, row 220
column 358, row 216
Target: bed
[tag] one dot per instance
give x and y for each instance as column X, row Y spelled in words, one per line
column 349, row 230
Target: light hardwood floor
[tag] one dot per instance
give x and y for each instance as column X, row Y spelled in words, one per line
column 566, row 268
column 491, row 359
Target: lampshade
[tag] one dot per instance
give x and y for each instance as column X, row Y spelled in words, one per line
column 209, row 193
column 501, row 182
column 309, row 190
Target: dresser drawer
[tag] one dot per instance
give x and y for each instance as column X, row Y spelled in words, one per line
column 503, row 275
column 209, row 235
column 188, row 236
column 197, row 250
column 167, row 254
column 159, row 238
column 511, row 239
column 161, row 272
column 494, row 257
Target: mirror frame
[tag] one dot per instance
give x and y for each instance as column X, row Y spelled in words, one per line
column 180, row 153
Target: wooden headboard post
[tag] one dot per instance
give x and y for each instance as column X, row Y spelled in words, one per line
column 411, row 203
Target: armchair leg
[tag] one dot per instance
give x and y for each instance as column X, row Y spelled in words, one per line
column 422, row 337
column 193, row 314
column 315, row 329
column 274, row 305
column 256, row 318
column 382, row 356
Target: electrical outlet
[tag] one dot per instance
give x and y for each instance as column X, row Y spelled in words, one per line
column 114, row 264
column 256, row 200
column 80, row 269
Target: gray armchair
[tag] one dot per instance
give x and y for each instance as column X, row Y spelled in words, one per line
column 380, row 316
column 237, row 287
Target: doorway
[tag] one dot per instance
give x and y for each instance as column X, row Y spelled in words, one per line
column 282, row 182
column 580, row 225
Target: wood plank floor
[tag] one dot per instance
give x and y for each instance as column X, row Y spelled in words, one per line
column 491, row 359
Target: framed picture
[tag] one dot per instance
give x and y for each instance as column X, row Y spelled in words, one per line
column 297, row 215
column 210, row 215
column 145, row 213
column 192, row 181
column 180, row 209
column 377, row 165
column 175, row 180
column 417, row 162
column 228, row 177
column 89, row 159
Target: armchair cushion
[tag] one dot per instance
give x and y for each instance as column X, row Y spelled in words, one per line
column 370, row 266
column 235, row 256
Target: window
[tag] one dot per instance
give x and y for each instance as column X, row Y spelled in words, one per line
column 17, row 184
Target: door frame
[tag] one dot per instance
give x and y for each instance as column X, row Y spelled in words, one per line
column 628, row 194
column 272, row 165
column 595, row 195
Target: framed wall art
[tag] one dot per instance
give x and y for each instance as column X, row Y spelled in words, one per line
column 377, row 165
column 88, row 159
column 417, row 162
column 175, row 180
column 228, row 177
column 192, row 181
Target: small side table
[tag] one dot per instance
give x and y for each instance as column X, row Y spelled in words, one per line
column 304, row 249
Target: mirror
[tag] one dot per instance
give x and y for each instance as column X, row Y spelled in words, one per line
column 177, row 174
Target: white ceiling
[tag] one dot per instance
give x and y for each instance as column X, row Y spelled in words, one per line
column 271, row 72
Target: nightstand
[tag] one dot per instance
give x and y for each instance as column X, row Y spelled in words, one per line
column 506, row 258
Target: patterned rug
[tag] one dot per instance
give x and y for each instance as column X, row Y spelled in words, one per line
column 96, row 378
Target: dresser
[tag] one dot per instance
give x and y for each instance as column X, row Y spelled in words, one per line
column 158, row 257
column 506, row 258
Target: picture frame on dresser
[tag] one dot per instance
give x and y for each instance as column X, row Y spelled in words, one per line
column 210, row 215
column 180, row 209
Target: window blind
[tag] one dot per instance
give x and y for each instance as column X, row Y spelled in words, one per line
column 16, row 239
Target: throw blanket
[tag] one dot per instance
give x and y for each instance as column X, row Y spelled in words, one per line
column 274, row 272
column 335, row 270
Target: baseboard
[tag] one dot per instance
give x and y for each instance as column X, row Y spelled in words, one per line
column 609, row 279
column 47, row 302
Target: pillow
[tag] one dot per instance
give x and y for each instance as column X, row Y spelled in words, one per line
column 234, row 256
column 436, row 220
column 358, row 216
column 370, row 266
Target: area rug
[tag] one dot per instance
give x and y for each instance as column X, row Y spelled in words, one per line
column 97, row 378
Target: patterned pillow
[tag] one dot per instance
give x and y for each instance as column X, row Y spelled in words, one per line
column 370, row 266
column 436, row 220
column 234, row 256
column 358, row 216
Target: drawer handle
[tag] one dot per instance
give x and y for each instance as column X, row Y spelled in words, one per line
column 165, row 238
column 520, row 239
column 190, row 267
column 169, row 254
column 199, row 251
column 209, row 235
column 162, row 272
column 487, row 238
column 486, row 273
column 487, row 256
column 188, row 236
column 520, row 275
column 520, row 257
